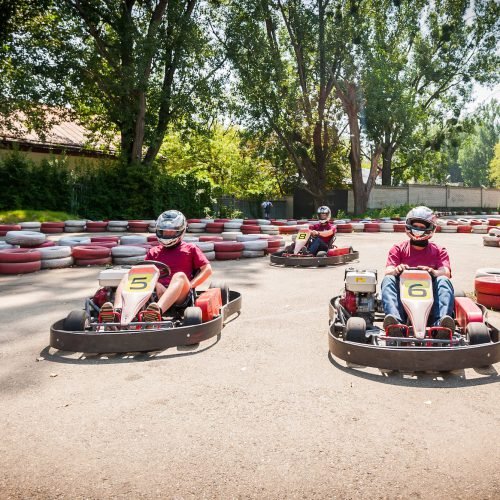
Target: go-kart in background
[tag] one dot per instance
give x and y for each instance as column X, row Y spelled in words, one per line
column 261, row 412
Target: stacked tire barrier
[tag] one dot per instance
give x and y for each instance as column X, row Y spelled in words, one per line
column 75, row 226
column 56, row 257
column 91, row 255
column 20, row 260
column 492, row 239
column 487, row 287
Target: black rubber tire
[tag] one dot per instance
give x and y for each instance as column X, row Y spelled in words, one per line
column 478, row 333
column 192, row 316
column 76, row 321
column 321, row 253
column 459, row 293
column 224, row 290
column 355, row 330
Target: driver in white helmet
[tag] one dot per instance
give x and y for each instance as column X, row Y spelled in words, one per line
column 323, row 232
column 421, row 253
column 188, row 265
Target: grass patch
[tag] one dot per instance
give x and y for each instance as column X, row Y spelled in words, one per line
column 15, row 216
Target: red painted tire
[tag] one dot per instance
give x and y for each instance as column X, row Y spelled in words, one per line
column 344, row 228
column 250, row 221
column 45, row 244
column 5, row 228
column 152, row 238
column 214, row 230
column 93, row 262
column 106, row 244
column 287, row 230
column 210, row 238
column 19, row 255
column 227, row 255
column 250, row 227
column 228, row 246
column 214, row 224
column 52, row 225
column 487, row 300
column 51, row 230
column 91, row 252
column 273, row 244
column 193, row 220
column 488, row 284
column 222, row 220
column 399, row 228
column 96, row 226
column 464, row 229
column 451, row 223
column 96, row 239
column 20, row 267
column 372, row 227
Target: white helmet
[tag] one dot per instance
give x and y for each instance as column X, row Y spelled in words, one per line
column 170, row 228
column 425, row 216
column 324, row 214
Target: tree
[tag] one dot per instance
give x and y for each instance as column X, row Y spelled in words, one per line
column 132, row 66
column 478, row 148
column 282, row 52
column 495, row 168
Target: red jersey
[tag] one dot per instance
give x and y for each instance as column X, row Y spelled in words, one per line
column 325, row 227
column 431, row 256
column 184, row 258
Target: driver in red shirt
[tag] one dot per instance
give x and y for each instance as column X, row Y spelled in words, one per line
column 323, row 232
column 188, row 265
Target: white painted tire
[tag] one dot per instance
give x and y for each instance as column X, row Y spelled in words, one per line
column 205, row 246
column 480, row 229
column 116, row 229
column 487, row 271
column 75, row 223
column 230, row 235
column 248, row 237
column 196, row 225
column 128, row 251
column 133, row 239
column 74, row 229
column 4, row 245
column 491, row 242
column 75, row 241
column 190, row 239
column 232, row 225
column 386, row 227
column 30, row 226
column 194, row 230
column 55, row 252
column 255, row 245
column 210, row 255
column 128, row 260
column 57, row 263
column 25, row 238
column 494, row 232
column 449, row 229
column 118, row 223
column 252, row 253
column 263, row 222
column 266, row 229
column 358, row 227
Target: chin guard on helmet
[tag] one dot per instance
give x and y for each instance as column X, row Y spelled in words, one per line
column 170, row 228
column 423, row 216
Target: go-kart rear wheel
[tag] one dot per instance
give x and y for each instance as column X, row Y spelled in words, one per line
column 224, row 290
column 192, row 316
column 478, row 333
column 76, row 321
column 355, row 330
column 321, row 253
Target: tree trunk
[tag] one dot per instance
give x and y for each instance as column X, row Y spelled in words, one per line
column 387, row 153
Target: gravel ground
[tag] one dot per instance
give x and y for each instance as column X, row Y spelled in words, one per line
column 262, row 411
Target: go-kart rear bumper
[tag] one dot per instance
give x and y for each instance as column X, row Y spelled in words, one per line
column 142, row 341
column 411, row 358
column 294, row 261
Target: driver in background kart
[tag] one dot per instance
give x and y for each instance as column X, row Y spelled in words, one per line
column 323, row 232
column 188, row 265
column 421, row 253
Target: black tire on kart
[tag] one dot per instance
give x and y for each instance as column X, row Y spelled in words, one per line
column 76, row 321
column 192, row 316
column 478, row 333
column 321, row 253
column 224, row 290
column 355, row 330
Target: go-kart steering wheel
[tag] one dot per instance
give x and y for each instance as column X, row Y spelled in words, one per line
column 162, row 267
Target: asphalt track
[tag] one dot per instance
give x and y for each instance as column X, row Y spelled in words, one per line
column 261, row 412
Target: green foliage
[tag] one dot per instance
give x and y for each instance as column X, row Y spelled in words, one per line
column 15, row 216
column 111, row 189
column 388, row 211
column 495, row 168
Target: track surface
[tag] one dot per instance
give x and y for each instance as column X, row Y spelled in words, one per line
column 262, row 412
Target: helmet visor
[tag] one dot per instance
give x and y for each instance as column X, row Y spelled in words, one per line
column 419, row 227
column 167, row 233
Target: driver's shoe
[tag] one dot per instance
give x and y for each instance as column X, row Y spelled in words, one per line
column 152, row 313
column 107, row 313
column 445, row 322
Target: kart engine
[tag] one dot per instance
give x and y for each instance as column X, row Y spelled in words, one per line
column 360, row 292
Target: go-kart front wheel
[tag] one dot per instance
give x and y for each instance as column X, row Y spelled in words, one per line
column 478, row 333
column 355, row 330
column 76, row 321
column 192, row 316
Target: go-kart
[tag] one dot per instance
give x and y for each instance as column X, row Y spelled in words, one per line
column 84, row 331
column 298, row 255
column 357, row 334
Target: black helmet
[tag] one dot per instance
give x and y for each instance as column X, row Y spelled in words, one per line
column 324, row 214
column 170, row 228
column 425, row 216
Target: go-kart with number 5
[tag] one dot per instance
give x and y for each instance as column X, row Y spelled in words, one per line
column 84, row 330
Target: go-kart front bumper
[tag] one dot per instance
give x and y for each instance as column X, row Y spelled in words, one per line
column 142, row 341
column 310, row 261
